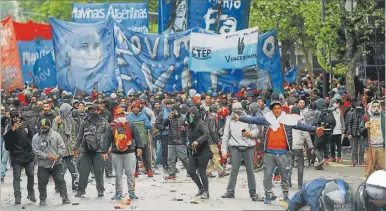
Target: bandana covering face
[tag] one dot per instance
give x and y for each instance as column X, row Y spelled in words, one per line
column 284, row 118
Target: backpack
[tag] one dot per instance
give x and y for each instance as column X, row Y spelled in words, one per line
column 91, row 142
column 122, row 137
column 327, row 119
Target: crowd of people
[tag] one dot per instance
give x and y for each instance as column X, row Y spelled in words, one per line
column 115, row 133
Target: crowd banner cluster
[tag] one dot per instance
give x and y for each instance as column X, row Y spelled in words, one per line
column 34, row 41
column 202, row 44
column 84, row 55
column 11, row 75
column 213, row 52
column 133, row 16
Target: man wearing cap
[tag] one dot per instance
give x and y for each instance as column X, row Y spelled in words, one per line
column 104, row 113
column 17, row 140
column 49, row 148
column 124, row 159
column 93, row 131
column 143, row 125
column 48, row 113
column 278, row 142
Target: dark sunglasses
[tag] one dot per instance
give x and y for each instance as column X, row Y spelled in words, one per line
column 15, row 116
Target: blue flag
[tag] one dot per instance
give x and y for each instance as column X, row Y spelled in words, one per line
column 290, row 76
column 29, row 52
column 85, row 55
column 44, row 71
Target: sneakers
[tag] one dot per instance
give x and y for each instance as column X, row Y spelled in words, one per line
column 200, row 192
column 286, row 199
column 223, row 174
column 267, row 199
column 43, row 202
column 228, row 196
column 65, row 200
column 170, row 177
column 110, row 175
column 17, row 199
column 31, row 197
column 363, row 164
column 256, row 197
column 80, row 193
column 352, row 164
column 205, row 195
column 136, row 174
column 210, row 175
column 149, row 173
column 132, row 195
column 276, row 178
column 117, row 196
column 331, row 160
column 100, row 193
column 340, row 160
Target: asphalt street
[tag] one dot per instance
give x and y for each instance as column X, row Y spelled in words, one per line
column 158, row 194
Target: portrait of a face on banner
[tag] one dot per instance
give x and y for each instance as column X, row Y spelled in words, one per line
column 85, row 55
column 173, row 16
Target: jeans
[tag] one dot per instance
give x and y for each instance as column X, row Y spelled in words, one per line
column 320, row 144
column 57, row 175
column 4, row 161
column 124, row 162
column 298, row 157
column 158, row 153
column 199, row 162
column 29, row 171
column 70, row 164
column 236, row 156
column 176, row 151
column 336, row 139
column 88, row 160
column 108, row 165
column 357, row 150
column 283, row 163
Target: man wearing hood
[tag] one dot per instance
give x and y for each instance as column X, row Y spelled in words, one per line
column 93, row 131
column 124, row 142
column 198, row 136
column 278, row 142
column 240, row 137
column 164, row 132
column 353, row 131
column 18, row 141
column 211, row 120
column 375, row 155
column 143, row 125
column 49, row 148
column 65, row 125
column 177, row 140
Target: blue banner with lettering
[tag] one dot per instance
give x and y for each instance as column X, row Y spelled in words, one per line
column 85, row 55
column 172, row 16
column 152, row 61
column 132, row 15
column 267, row 73
column 44, row 71
column 219, row 16
column 29, row 52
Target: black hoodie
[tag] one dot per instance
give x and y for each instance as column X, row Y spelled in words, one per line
column 198, row 131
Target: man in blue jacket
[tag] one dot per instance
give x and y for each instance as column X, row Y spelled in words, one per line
column 143, row 125
column 277, row 139
column 323, row 194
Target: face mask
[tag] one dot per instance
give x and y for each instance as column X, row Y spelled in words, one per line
column 121, row 119
column 45, row 130
column 16, row 102
column 191, row 119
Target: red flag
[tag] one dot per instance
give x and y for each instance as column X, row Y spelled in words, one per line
column 11, row 75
